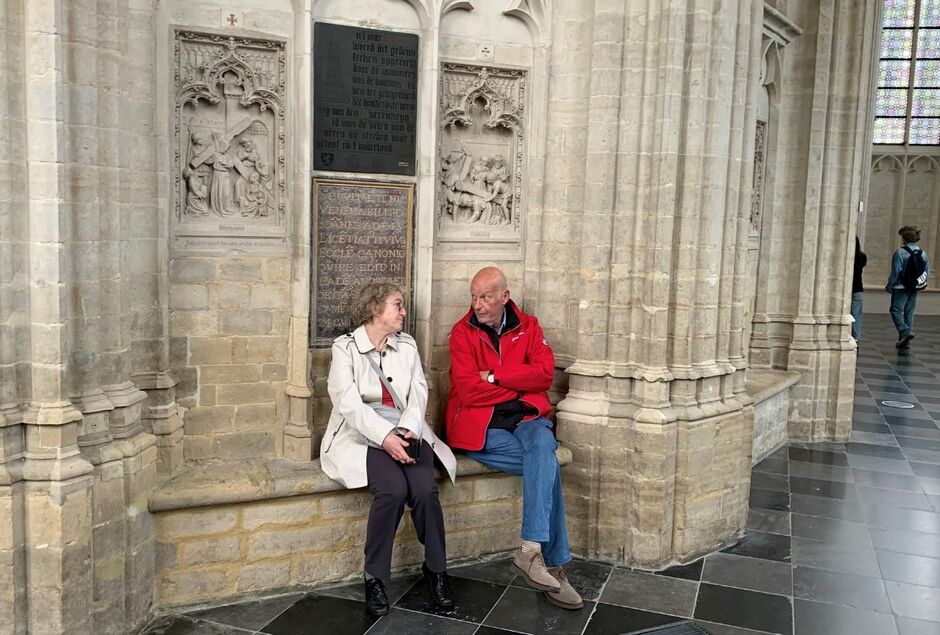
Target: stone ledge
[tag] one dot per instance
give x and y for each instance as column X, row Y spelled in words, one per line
column 266, row 479
column 764, row 384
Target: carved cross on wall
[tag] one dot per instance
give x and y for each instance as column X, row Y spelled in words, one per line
column 232, row 19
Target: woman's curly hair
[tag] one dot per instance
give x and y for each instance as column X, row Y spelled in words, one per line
column 370, row 300
column 910, row 233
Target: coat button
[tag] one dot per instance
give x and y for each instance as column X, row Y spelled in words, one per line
column 383, row 353
column 389, row 379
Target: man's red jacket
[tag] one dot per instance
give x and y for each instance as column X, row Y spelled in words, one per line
column 523, row 369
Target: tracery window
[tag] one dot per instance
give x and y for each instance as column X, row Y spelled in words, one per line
column 907, row 105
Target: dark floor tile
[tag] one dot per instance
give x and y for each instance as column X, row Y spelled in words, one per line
column 691, row 571
column 750, row 609
column 829, row 530
column 870, row 449
column 909, row 519
column 814, row 618
column 911, row 626
column 337, row 616
column 757, row 544
column 912, row 542
column 399, row 621
column 840, row 588
column 894, row 498
column 926, row 469
column 874, row 428
column 835, row 556
column 878, row 464
column 489, row 630
column 931, row 445
column 869, row 408
column 819, row 487
column 650, row 592
column 179, row 625
column 903, row 567
column 773, row 464
column 394, row 590
column 587, row 578
column 768, row 521
column 871, row 438
column 913, row 432
column 496, row 571
column 901, row 482
column 766, row 499
column 713, row 628
column 528, row 611
column 755, row 574
column 910, row 600
column 826, row 507
column 474, row 599
column 907, row 422
column 248, row 615
column 838, row 473
column 617, row 620
column 818, row 456
column 768, row 481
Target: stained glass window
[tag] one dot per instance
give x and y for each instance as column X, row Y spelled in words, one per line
column 907, row 103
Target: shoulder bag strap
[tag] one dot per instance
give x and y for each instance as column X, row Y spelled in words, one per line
column 388, row 386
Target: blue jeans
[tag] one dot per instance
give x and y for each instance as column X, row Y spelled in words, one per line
column 529, row 451
column 857, row 298
column 902, row 311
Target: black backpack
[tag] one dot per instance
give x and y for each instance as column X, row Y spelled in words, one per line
column 914, row 276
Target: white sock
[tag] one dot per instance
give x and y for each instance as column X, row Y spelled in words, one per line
column 528, row 546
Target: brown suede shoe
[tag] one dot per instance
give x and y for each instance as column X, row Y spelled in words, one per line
column 531, row 566
column 565, row 597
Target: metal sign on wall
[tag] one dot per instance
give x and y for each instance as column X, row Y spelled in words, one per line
column 363, row 233
column 365, row 97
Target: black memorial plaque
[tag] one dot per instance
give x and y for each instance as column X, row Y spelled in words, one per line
column 365, row 97
column 363, row 234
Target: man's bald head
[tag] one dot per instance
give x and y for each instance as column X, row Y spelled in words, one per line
column 489, row 293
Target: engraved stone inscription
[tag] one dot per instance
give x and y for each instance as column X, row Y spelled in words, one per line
column 363, row 234
column 229, row 126
column 365, row 99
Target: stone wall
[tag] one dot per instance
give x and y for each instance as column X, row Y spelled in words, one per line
column 215, row 553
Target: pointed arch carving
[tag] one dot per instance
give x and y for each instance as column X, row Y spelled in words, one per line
column 536, row 16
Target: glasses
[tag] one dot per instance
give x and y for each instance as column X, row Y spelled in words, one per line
column 398, row 304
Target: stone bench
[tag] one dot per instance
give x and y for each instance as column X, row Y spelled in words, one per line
column 770, row 390
column 268, row 525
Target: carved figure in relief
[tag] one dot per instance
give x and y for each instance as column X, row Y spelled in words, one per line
column 476, row 191
column 199, row 177
column 253, row 192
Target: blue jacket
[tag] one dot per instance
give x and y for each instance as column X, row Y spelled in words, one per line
column 898, row 262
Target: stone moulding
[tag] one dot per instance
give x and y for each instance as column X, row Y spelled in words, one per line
column 229, row 140
column 481, row 161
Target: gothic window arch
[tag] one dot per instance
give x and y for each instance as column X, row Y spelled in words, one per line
column 907, row 105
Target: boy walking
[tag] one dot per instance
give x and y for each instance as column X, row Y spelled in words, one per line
column 909, row 270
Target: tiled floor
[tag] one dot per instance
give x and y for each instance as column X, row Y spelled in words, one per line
column 843, row 539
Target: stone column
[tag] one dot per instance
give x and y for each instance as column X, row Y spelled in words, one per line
column 655, row 413
column 57, row 506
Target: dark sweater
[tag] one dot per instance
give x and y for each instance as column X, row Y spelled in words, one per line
column 860, row 261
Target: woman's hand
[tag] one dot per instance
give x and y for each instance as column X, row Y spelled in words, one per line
column 396, row 447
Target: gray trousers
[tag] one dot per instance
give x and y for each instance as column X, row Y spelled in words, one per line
column 392, row 485
column 857, row 305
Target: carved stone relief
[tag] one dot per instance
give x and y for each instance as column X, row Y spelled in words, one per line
column 230, row 161
column 481, row 154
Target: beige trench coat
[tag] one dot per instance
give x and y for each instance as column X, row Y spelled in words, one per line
column 354, row 426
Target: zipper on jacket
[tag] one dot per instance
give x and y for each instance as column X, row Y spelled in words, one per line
column 338, row 428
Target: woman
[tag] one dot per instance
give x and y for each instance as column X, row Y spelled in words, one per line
column 367, row 439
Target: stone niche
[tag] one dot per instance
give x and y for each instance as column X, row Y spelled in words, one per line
column 229, row 144
column 481, row 162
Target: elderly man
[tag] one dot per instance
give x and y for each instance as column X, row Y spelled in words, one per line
column 501, row 367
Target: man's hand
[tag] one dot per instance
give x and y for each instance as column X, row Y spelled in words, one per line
column 396, row 447
column 484, row 375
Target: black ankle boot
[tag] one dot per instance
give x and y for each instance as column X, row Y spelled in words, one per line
column 376, row 600
column 440, row 588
